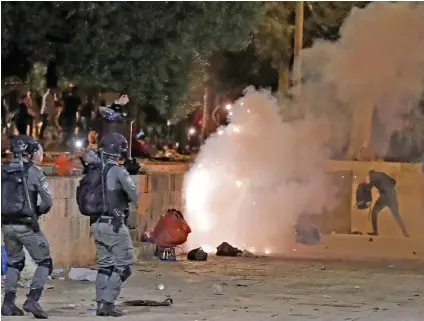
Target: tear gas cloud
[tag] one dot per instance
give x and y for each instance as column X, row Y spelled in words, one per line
column 253, row 178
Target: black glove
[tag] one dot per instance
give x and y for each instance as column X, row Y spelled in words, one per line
column 118, row 220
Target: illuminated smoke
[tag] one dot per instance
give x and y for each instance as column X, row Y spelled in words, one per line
column 253, row 179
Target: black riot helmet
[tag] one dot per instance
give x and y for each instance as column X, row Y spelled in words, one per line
column 114, row 144
column 24, row 145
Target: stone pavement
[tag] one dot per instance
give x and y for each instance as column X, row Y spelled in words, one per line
column 243, row 289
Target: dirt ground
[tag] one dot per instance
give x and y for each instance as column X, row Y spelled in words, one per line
column 255, row 289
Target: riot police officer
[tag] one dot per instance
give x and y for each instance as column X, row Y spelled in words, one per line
column 114, row 249
column 22, row 182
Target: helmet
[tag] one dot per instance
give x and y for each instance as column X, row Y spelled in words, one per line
column 114, row 144
column 23, row 144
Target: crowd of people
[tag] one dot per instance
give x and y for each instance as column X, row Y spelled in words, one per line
column 53, row 119
column 63, row 121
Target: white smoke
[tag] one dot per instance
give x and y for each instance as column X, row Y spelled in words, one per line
column 253, row 179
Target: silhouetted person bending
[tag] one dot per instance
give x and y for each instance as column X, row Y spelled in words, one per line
column 388, row 198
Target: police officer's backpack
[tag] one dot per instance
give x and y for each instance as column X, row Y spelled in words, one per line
column 89, row 191
column 13, row 195
column 363, row 196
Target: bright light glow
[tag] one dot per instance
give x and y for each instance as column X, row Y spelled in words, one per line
column 208, row 248
column 228, row 107
column 239, row 183
column 220, row 132
column 242, row 103
column 230, row 113
column 236, row 130
column 78, row 144
column 248, row 111
column 196, row 198
column 192, row 131
column 267, row 251
column 252, row 250
column 168, row 123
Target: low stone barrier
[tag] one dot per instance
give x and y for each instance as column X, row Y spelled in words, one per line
column 68, row 231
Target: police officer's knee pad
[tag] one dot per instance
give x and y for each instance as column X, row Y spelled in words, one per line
column 124, row 272
column 47, row 263
column 107, row 270
column 18, row 265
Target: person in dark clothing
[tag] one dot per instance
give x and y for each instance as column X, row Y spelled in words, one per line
column 86, row 115
column 388, row 198
column 3, row 115
column 22, row 117
column 69, row 115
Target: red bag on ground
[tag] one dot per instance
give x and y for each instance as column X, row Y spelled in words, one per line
column 171, row 230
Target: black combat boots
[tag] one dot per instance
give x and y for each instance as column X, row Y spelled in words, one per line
column 105, row 309
column 9, row 307
column 31, row 304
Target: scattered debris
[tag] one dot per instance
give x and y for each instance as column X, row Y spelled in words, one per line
column 58, row 271
column 161, row 287
column 166, row 254
column 306, row 233
column 391, row 266
column 323, row 268
column 82, row 274
column 226, row 249
column 197, row 255
column 217, row 289
column 375, row 308
column 246, row 253
column 148, row 303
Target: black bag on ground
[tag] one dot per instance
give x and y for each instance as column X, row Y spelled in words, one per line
column 363, row 196
column 89, row 190
column 226, row 249
column 13, row 194
column 197, row 255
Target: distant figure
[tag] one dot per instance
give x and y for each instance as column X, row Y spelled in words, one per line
column 47, row 111
column 388, row 198
column 70, row 109
column 22, row 117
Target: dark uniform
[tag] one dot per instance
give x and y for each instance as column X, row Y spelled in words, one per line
column 114, row 249
column 388, row 198
column 23, row 231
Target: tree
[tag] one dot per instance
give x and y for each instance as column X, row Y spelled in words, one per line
column 148, row 49
column 144, row 48
column 274, row 35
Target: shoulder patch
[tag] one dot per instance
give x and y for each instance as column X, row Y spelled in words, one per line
column 45, row 187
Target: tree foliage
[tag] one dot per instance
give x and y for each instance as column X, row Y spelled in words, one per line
column 274, row 36
column 150, row 50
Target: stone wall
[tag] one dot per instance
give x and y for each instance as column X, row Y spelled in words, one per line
column 71, row 244
column 410, row 192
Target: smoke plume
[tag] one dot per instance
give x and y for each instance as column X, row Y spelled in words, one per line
column 253, row 178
